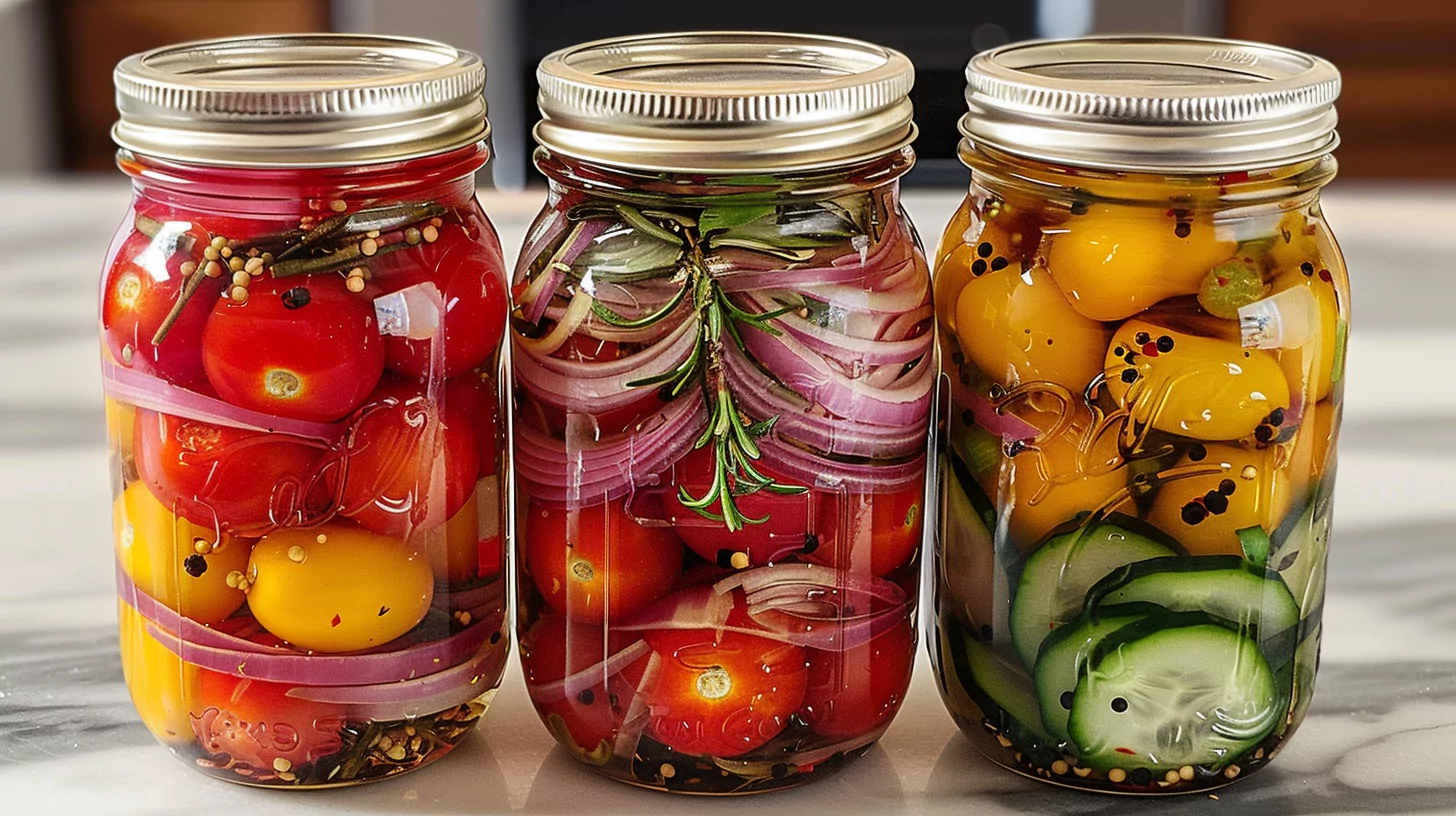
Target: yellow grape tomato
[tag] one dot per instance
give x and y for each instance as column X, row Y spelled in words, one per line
column 1239, row 488
column 1200, row 387
column 336, row 588
column 1116, row 261
column 1017, row 327
column 159, row 681
column 181, row 564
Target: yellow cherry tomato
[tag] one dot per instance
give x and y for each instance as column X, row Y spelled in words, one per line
column 1058, row 477
column 453, row 548
column 1017, row 327
column 1203, row 511
column 120, row 424
column 1199, row 387
column 181, row 564
column 1309, row 456
column 336, row 588
column 1311, row 367
column 1116, row 261
column 157, row 679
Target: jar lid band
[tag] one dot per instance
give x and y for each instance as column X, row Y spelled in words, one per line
column 307, row 100
column 1161, row 104
column 725, row 102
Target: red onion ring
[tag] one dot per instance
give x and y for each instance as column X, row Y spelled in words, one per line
column 583, row 475
column 156, row 394
column 904, row 403
column 211, row 649
column 798, row 419
column 577, row 682
column 409, row 699
column 595, row 388
column 799, row 466
column 539, row 292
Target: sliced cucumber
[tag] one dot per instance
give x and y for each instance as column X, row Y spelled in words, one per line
column 1301, row 557
column 1173, row 690
column 970, row 582
column 1055, row 579
column 1225, row 586
column 1064, row 653
column 1005, row 684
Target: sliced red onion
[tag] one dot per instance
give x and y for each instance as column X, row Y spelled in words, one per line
column 680, row 337
column 853, row 351
column 846, row 268
column 825, row 627
column 156, row 394
column 801, row 369
column 583, row 474
column 760, row 397
column 409, row 699
column 577, row 682
column 544, row 233
column 539, row 292
column 904, row 326
column 1009, row 427
column 576, row 312
column 799, row 466
column 212, row 649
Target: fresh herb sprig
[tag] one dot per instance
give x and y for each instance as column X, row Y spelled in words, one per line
column 731, row 435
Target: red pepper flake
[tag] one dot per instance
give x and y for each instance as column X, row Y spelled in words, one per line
column 1222, row 281
column 336, row 621
column 1128, row 751
column 1326, row 276
column 1234, row 178
column 1150, row 349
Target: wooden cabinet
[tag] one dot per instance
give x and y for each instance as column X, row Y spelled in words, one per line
column 90, row 36
column 1398, row 62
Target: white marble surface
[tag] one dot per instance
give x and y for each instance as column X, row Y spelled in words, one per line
column 1380, row 738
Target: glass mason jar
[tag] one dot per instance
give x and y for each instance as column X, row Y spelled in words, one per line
column 721, row 340
column 1142, row 325
column 301, row 319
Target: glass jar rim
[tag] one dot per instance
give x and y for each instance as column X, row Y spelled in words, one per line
column 1152, row 103
column 725, row 101
column 303, row 100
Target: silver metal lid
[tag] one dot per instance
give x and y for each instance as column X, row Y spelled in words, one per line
column 725, row 102
column 308, row 100
column 1171, row 104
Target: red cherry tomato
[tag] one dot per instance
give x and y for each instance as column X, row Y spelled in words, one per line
column 246, row 481
column 856, row 691
column 141, row 288
column 588, row 718
column 785, row 530
column 255, row 722
column 876, row 531
column 303, row 348
column 722, row 694
column 601, row 564
column 471, row 281
column 475, row 397
column 409, row 462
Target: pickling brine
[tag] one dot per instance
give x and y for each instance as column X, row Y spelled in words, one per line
column 723, row 384
column 1145, row 372
column 304, row 398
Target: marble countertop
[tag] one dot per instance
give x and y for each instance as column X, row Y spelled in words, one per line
column 1380, row 737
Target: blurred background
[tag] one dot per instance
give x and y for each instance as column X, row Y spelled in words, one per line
column 1397, row 111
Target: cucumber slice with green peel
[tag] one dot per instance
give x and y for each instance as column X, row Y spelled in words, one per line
column 1173, row 690
column 1226, row 586
column 1301, row 558
column 1005, row 684
column 970, row 582
column 1063, row 657
column 1055, row 579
